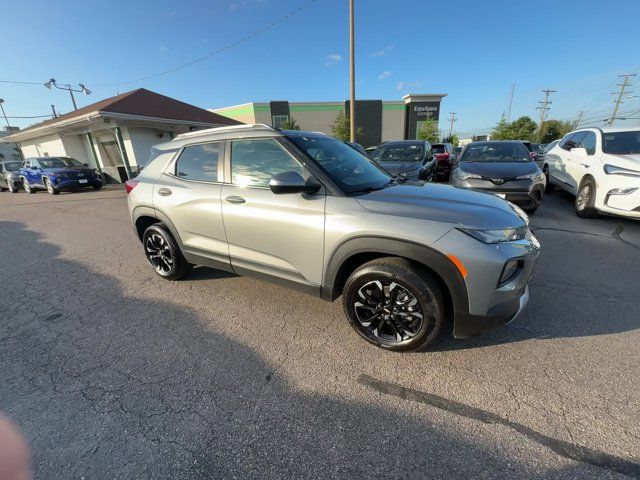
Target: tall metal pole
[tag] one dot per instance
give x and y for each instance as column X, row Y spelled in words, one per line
column 352, row 75
column 73, row 99
column 544, row 108
column 577, row 122
column 452, row 119
column 513, row 87
column 623, row 86
column 4, row 114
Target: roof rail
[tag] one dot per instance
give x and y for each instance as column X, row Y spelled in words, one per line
column 231, row 128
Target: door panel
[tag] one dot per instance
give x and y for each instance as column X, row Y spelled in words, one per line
column 280, row 235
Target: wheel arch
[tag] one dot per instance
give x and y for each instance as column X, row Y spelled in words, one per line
column 144, row 217
column 356, row 251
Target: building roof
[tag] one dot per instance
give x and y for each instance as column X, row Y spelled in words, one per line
column 137, row 103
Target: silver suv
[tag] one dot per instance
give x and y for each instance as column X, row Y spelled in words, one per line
column 308, row 211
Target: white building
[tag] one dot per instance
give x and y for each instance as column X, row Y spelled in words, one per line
column 115, row 135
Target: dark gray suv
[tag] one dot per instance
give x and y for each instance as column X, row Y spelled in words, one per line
column 308, row 211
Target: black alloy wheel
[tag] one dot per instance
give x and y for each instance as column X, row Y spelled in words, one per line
column 394, row 304
column 163, row 254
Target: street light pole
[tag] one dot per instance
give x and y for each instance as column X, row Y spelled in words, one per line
column 67, row 87
column 4, row 114
column 352, row 75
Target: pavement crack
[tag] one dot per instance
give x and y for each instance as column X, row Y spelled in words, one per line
column 560, row 447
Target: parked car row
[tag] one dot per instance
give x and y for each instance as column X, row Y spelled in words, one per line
column 53, row 174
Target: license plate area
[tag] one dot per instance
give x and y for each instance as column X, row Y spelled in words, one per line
column 83, row 180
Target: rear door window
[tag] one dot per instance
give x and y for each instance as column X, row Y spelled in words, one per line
column 588, row 142
column 199, row 162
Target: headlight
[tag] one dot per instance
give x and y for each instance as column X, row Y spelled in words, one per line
column 462, row 175
column 531, row 176
column 497, row 236
column 613, row 170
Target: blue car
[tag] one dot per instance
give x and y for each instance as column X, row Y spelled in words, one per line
column 57, row 173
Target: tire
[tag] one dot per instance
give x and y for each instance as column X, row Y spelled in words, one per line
column 377, row 313
column 27, row 188
column 50, row 188
column 2, row 189
column 12, row 188
column 97, row 187
column 163, row 253
column 586, row 199
column 550, row 187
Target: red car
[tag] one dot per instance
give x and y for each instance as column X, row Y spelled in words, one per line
column 445, row 155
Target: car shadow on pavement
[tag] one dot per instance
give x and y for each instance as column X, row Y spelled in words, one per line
column 108, row 383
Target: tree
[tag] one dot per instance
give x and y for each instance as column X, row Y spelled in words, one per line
column 290, row 124
column 554, row 129
column 521, row 129
column 453, row 140
column 429, row 131
column 341, row 128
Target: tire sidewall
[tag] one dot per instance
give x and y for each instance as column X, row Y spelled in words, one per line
column 429, row 299
column 589, row 210
column 50, row 188
column 27, row 186
column 179, row 267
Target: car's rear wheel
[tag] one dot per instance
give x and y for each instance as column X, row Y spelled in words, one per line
column 97, row 187
column 50, row 188
column 12, row 188
column 394, row 304
column 163, row 253
column 586, row 199
column 27, row 187
column 2, row 189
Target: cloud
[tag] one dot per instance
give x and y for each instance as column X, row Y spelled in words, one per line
column 332, row 59
column 407, row 85
column 384, row 75
column 385, row 51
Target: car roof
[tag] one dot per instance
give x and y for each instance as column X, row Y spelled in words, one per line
column 403, row 142
column 490, row 142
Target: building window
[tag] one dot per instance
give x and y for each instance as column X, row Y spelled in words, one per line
column 279, row 121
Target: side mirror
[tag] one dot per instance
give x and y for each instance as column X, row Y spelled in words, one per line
column 85, row 164
column 580, row 152
column 291, row 182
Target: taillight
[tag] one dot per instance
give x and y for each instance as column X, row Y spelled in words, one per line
column 442, row 156
column 130, row 185
column 534, row 155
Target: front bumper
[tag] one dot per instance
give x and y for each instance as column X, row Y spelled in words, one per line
column 64, row 184
column 621, row 195
column 491, row 303
column 525, row 193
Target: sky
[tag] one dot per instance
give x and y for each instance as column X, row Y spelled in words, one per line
column 471, row 50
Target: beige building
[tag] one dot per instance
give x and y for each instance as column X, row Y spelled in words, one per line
column 380, row 120
column 115, row 135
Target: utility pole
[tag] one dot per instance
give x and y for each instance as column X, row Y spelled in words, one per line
column 54, row 114
column 513, row 87
column 452, row 119
column 352, row 74
column 544, row 108
column 623, row 86
column 4, row 114
column 577, row 122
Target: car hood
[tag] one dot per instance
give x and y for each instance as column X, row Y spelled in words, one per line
column 400, row 167
column 444, row 203
column 499, row 169
column 632, row 162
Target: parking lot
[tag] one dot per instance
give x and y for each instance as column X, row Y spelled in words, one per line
column 112, row 372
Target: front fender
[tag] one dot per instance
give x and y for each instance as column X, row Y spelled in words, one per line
column 429, row 257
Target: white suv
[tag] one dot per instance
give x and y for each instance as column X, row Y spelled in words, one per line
column 601, row 167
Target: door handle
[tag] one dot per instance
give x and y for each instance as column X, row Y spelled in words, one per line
column 165, row 192
column 235, row 199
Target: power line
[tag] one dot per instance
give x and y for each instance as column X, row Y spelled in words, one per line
column 29, row 116
column 22, row 83
column 216, row 52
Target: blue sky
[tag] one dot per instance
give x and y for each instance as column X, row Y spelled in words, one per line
column 471, row 50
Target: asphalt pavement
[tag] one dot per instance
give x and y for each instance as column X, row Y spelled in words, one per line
column 112, row 372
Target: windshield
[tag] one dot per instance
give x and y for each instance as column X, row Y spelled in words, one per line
column 621, row 143
column 496, row 152
column 12, row 166
column 438, row 149
column 60, row 162
column 345, row 165
column 399, row 153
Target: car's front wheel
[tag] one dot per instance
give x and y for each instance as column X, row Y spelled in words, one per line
column 586, row 199
column 27, row 187
column 50, row 188
column 12, row 187
column 163, row 253
column 394, row 304
column 550, row 187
